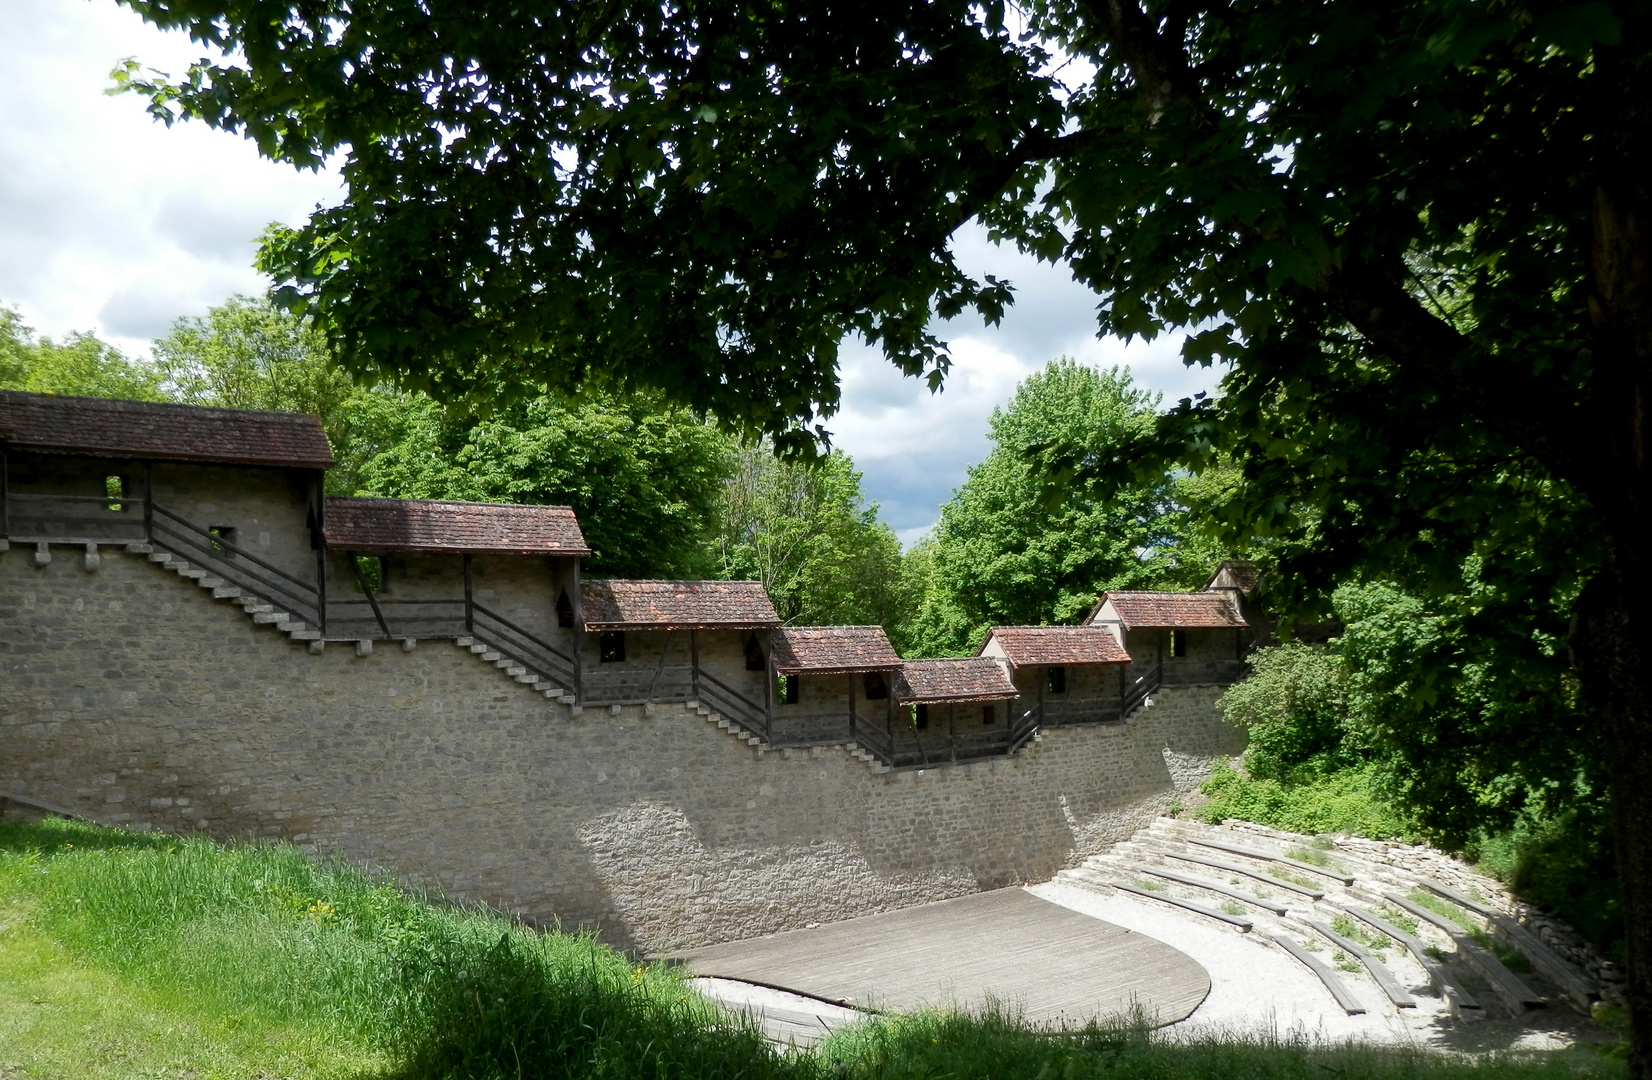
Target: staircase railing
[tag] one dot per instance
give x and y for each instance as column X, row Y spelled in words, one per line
column 1025, row 726
column 875, row 739
column 539, row 656
column 734, row 705
column 1137, row 692
column 222, row 558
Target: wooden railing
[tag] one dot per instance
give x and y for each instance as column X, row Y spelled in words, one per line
column 236, row 565
column 539, row 656
column 1137, row 690
column 75, row 518
column 734, row 705
column 1025, row 726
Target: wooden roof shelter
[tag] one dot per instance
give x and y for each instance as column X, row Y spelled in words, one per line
column 617, row 604
column 1053, row 646
column 383, row 525
column 833, row 650
column 155, row 431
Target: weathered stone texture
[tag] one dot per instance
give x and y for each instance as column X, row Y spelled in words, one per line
column 131, row 697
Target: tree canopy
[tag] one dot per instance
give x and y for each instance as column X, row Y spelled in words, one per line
column 807, row 533
column 1014, row 547
column 1416, row 229
column 80, row 364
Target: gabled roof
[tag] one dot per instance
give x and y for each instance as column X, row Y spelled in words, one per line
column 675, row 605
column 828, row 650
column 1033, row 646
column 1174, row 611
column 974, row 678
column 1234, row 574
column 379, row 525
column 101, row 427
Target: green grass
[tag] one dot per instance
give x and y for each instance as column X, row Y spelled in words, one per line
column 1360, row 933
column 134, row 956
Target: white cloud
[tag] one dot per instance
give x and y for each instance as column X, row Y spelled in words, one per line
column 914, row 447
column 110, row 221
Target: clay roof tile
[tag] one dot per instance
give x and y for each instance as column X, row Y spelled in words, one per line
column 154, row 431
column 974, row 678
column 1179, row 611
column 1033, row 646
column 675, row 605
column 833, row 649
column 379, row 525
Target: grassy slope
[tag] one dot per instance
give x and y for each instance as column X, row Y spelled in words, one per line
column 126, row 955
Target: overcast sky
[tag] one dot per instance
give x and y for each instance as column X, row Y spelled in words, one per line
column 113, row 223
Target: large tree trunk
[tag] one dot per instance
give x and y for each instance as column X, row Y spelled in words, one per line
column 1614, row 671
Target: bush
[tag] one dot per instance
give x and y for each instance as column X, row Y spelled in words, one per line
column 1294, row 708
column 1343, row 802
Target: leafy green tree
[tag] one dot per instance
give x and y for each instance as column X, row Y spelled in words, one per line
column 1417, row 229
column 247, row 353
column 1013, row 547
column 80, row 364
column 807, row 533
column 1294, row 706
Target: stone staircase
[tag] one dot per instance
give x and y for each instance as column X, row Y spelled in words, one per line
column 264, row 612
column 1373, row 934
column 491, row 654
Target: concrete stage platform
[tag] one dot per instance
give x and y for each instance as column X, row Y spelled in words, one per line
column 1056, row 965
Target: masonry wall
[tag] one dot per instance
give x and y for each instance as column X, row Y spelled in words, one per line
column 128, row 695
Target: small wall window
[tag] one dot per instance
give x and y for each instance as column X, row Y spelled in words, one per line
column 222, row 540
column 114, row 489
column 1178, row 643
column 920, row 717
column 611, row 647
column 989, row 714
column 1056, row 680
column 791, row 687
column 876, row 686
column 755, row 660
column 564, row 610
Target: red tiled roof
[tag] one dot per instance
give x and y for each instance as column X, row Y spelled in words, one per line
column 974, row 678
column 1181, row 611
column 418, row 525
column 675, row 605
column 102, row 427
column 1032, row 646
column 831, row 649
column 1234, row 574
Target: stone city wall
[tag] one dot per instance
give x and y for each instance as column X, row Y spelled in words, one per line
column 129, row 696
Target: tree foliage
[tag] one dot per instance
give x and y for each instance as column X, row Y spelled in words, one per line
column 1013, row 547
column 806, row 532
column 80, row 364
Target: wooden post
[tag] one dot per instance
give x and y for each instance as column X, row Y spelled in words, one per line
column 148, row 501
column 952, row 731
column 1045, row 672
column 5, row 505
column 851, row 678
column 1123, row 668
column 579, row 637
column 768, row 690
column 470, row 613
column 694, row 663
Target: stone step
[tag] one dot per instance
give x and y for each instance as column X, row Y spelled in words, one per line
column 477, row 647
column 209, row 582
column 139, row 549
column 490, row 656
column 290, row 625
column 192, row 573
column 464, row 642
column 226, row 592
column 525, row 679
column 263, row 618
column 304, row 635
column 161, row 557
